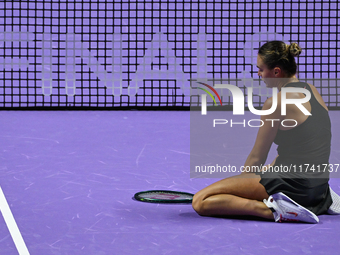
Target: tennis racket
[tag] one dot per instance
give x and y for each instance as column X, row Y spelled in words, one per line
column 164, row 196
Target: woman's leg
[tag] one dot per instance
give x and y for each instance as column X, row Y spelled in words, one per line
column 238, row 195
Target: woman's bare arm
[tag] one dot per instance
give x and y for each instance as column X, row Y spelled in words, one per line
column 265, row 136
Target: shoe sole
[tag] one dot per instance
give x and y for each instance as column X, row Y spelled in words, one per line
column 283, row 200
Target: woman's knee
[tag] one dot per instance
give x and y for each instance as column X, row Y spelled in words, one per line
column 202, row 205
column 198, row 204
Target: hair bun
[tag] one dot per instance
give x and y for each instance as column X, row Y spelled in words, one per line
column 294, row 49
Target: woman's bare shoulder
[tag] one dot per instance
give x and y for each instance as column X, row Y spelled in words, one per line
column 318, row 96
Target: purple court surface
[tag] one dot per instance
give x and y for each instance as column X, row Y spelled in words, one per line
column 69, row 178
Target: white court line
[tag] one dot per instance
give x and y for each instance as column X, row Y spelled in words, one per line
column 12, row 226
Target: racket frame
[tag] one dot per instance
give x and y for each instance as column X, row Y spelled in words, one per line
column 138, row 197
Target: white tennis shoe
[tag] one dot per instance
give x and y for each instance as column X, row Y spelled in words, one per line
column 335, row 207
column 287, row 210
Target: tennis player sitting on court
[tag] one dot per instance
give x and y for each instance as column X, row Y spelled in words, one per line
column 280, row 196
